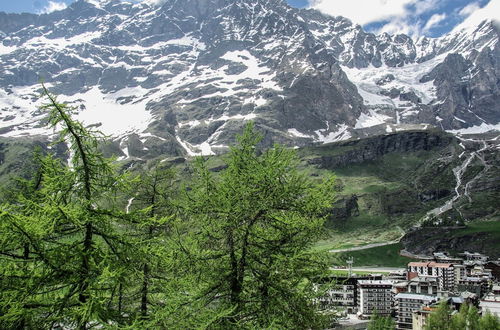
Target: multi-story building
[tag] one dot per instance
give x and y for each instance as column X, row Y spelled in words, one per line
column 460, row 272
column 476, row 257
column 406, row 304
column 494, row 266
column 343, row 292
column 442, row 257
column 374, row 297
column 423, row 285
column 399, row 287
column 491, row 303
column 476, row 285
column 444, row 272
column 419, row 318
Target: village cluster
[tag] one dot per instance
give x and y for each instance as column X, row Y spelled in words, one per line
column 411, row 295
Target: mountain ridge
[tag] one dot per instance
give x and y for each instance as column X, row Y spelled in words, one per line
column 188, row 74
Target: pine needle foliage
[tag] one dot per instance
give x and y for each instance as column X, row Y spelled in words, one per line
column 154, row 207
column 63, row 255
column 379, row 322
column 254, row 226
column 228, row 250
column 467, row 318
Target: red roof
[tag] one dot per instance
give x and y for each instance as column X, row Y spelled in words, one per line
column 418, row 264
column 430, row 264
column 440, row 265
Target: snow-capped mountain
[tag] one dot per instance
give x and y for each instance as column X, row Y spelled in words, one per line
column 183, row 77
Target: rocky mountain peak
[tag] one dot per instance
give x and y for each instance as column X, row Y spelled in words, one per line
column 184, row 76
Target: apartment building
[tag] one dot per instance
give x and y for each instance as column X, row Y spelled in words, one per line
column 428, row 285
column 476, row 285
column 419, row 318
column 494, row 266
column 477, row 257
column 343, row 292
column 406, row 304
column 444, row 258
column 491, row 302
column 374, row 297
column 460, row 272
column 444, row 272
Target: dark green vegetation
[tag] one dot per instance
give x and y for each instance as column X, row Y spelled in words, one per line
column 467, row 318
column 476, row 236
column 16, row 156
column 219, row 251
column 387, row 256
column 378, row 322
column 387, row 188
column 387, row 184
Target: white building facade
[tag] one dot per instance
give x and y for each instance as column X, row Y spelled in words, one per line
column 444, row 272
column 406, row 304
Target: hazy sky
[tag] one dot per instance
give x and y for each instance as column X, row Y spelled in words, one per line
column 413, row 17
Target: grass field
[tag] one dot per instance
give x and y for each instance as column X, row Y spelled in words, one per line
column 491, row 227
column 388, row 256
column 383, row 256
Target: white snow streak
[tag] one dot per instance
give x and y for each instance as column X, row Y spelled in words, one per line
column 113, row 118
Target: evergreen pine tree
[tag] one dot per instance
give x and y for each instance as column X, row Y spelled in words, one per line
column 440, row 318
column 489, row 322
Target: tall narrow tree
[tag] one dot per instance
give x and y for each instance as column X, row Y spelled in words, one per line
column 153, row 203
column 77, row 253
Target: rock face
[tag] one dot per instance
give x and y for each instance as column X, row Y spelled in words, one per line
column 183, row 77
column 428, row 240
column 344, row 208
column 360, row 151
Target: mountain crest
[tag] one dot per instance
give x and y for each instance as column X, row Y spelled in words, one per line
column 184, row 76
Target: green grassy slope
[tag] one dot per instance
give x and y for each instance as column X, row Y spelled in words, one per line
column 385, row 184
column 383, row 256
column 387, row 191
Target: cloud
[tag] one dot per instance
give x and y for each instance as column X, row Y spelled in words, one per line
column 53, row 6
column 400, row 25
column 155, row 2
column 425, row 6
column 363, row 11
column 391, row 16
column 433, row 22
column 469, row 9
column 412, row 17
column 489, row 12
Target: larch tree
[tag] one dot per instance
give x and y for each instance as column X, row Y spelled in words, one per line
column 467, row 318
column 379, row 322
column 153, row 207
column 73, row 251
column 488, row 321
column 253, row 228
